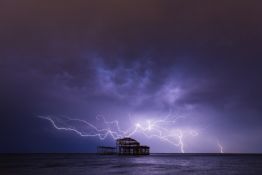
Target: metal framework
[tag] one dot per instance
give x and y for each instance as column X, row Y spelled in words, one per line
column 129, row 146
column 106, row 150
column 124, row 146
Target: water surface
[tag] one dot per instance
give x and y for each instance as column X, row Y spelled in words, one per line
column 88, row 164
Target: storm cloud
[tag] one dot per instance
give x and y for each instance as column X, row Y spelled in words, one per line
column 200, row 59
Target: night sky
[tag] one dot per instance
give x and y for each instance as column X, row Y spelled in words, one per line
column 131, row 61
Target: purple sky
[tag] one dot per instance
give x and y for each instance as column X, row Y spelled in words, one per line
column 131, row 61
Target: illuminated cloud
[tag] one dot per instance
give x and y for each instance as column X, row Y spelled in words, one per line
column 124, row 60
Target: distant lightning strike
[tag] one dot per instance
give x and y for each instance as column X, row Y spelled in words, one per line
column 220, row 147
column 151, row 128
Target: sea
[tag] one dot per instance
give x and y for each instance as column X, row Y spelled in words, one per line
column 89, row 164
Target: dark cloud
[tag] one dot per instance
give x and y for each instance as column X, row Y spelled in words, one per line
column 121, row 57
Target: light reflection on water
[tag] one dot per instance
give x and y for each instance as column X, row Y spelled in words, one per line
column 87, row 164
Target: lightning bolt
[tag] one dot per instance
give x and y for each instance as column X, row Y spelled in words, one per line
column 153, row 128
column 220, row 147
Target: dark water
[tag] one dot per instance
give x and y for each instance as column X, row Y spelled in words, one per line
column 180, row 164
